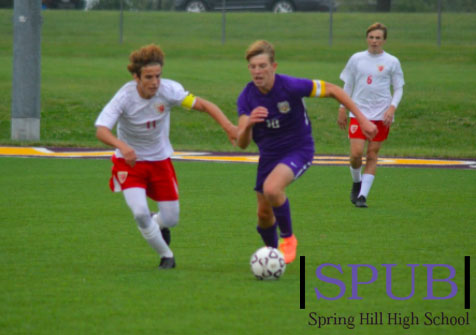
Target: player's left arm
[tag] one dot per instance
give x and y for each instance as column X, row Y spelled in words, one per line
column 390, row 112
column 215, row 112
column 397, row 82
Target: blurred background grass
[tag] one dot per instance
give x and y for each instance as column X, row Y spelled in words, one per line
column 83, row 65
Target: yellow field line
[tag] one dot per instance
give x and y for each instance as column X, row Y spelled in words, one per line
column 244, row 158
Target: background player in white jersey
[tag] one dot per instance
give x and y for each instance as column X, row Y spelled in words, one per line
column 368, row 76
column 141, row 164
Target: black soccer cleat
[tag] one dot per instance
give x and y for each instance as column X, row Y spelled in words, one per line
column 361, row 202
column 354, row 193
column 166, row 235
column 167, row 263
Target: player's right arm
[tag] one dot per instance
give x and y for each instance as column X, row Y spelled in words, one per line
column 107, row 120
column 106, row 136
column 246, row 123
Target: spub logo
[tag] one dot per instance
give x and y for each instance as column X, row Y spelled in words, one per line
column 385, row 272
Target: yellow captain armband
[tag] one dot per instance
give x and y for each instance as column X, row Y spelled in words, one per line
column 318, row 88
column 189, row 101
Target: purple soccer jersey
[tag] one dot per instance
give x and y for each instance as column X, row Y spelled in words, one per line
column 287, row 126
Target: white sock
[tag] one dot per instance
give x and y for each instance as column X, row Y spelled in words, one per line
column 356, row 174
column 136, row 199
column 156, row 218
column 153, row 236
column 367, row 180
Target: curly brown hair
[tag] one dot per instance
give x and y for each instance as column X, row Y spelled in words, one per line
column 147, row 55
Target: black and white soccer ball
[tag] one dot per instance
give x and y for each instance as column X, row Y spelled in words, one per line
column 267, row 263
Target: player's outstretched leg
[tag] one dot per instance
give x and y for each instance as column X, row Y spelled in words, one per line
column 137, row 202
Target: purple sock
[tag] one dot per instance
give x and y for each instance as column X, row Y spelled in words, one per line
column 283, row 218
column 269, row 235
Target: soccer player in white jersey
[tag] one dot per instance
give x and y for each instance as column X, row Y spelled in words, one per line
column 141, row 163
column 367, row 78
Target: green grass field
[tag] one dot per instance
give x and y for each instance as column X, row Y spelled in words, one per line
column 73, row 261
column 83, row 65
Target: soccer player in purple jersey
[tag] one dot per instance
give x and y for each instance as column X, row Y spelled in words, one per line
column 272, row 113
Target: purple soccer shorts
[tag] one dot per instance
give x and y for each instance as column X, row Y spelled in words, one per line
column 298, row 160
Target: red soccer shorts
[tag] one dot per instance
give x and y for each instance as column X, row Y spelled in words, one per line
column 157, row 178
column 356, row 132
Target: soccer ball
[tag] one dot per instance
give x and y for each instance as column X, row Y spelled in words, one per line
column 267, row 263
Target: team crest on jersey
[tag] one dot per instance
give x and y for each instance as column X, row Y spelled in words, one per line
column 353, row 128
column 380, row 68
column 122, row 176
column 284, row 107
column 160, row 108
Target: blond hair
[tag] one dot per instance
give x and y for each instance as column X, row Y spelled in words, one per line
column 258, row 48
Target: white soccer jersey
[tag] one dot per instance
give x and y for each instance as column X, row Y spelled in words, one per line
column 370, row 77
column 144, row 124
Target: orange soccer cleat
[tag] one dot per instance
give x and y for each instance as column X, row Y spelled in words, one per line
column 288, row 247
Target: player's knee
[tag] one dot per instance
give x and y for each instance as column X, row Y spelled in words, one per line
column 169, row 218
column 169, row 213
column 142, row 217
column 271, row 193
column 356, row 160
column 372, row 157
